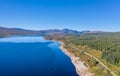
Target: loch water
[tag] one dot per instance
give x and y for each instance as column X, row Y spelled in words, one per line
column 33, row 56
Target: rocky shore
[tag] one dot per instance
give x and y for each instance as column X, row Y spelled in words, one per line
column 81, row 69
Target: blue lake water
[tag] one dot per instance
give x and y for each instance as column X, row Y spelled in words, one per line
column 33, row 56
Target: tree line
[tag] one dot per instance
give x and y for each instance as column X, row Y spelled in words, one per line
column 108, row 44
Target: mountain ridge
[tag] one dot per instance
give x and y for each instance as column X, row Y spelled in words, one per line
column 19, row 31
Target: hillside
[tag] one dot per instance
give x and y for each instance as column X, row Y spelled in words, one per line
column 18, row 31
column 99, row 51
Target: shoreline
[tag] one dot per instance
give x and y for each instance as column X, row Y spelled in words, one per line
column 81, row 69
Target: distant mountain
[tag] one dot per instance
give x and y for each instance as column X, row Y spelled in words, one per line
column 59, row 32
column 18, row 31
column 70, row 31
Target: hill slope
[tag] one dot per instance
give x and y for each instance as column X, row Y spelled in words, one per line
column 18, row 31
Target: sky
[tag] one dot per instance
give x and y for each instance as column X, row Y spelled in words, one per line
column 94, row 15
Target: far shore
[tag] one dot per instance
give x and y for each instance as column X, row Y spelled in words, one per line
column 81, row 69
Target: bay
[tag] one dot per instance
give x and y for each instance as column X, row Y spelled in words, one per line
column 33, row 56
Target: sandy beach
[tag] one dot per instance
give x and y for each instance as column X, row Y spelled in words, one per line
column 81, row 69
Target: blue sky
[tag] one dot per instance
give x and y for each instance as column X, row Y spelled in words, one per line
column 101, row 15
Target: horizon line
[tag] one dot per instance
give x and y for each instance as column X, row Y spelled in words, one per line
column 57, row 29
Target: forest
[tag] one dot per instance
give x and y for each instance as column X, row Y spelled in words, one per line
column 103, row 46
column 108, row 44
